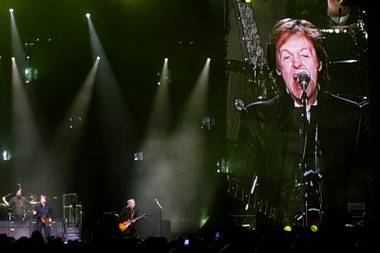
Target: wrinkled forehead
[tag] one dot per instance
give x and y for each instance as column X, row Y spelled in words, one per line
column 289, row 37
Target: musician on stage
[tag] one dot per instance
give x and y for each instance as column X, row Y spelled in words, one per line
column 18, row 206
column 126, row 217
column 44, row 216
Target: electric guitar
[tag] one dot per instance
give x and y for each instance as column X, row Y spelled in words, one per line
column 47, row 221
column 253, row 203
column 126, row 224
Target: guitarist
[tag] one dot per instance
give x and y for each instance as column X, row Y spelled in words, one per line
column 44, row 215
column 128, row 213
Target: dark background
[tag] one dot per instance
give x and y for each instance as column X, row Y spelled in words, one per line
column 136, row 36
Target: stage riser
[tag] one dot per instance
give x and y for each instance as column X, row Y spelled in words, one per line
column 18, row 230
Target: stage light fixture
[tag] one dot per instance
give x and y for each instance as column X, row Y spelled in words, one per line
column 207, row 123
column 28, row 75
column 139, row 156
column 98, row 58
column 6, row 155
column 75, row 122
column 11, row 11
column 222, row 166
column 88, row 15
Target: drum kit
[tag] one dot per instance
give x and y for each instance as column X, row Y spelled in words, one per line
column 6, row 211
column 347, row 48
column 346, row 43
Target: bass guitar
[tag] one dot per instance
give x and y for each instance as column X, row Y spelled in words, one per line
column 126, row 224
column 47, row 221
column 252, row 202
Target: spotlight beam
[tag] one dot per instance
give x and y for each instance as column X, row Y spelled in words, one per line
column 25, row 137
column 196, row 105
column 82, row 101
column 114, row 117
column 17, row 48
column 159, row 116
column 78, row 108
column 175, row 160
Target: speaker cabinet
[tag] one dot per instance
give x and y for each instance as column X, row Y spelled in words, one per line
column 153, row 228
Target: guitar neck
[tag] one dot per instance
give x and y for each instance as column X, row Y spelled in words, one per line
column 137, row 218
column 254, row 203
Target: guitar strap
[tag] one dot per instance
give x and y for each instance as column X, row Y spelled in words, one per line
column 132, row 214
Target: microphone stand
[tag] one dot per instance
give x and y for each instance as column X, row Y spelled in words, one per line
column 160, row 207
column 160, row 222
column 305, row 145
column 307, row 184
